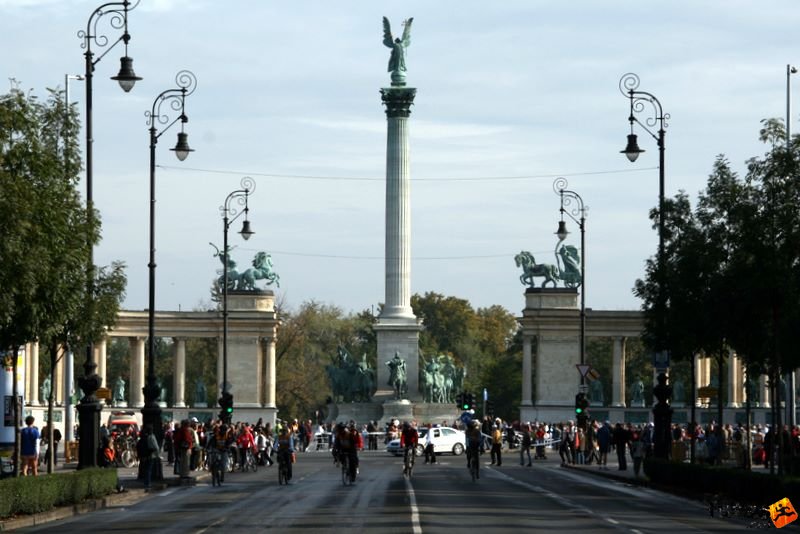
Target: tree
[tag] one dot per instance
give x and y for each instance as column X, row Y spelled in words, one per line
column 47, row 234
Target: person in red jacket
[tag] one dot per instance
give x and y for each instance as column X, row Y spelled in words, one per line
column 246, row 442
column 184, row 441
column 409, row 438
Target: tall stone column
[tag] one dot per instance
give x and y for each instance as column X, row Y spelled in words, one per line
column 397, row 328
column 179, row 373
column 527, row 390
column 618, row 373
column 269, row 372
column 135, row 393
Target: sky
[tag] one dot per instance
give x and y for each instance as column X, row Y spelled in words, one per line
column 510, row 96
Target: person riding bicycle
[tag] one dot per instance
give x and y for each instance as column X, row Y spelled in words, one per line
column 409, row 438
column 219, row 441
column 474, row 441
column 285, row 446
column 347, row 443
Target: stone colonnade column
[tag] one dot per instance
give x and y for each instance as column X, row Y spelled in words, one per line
column 100, row 354
column 269, row 372
column 179, row 373
column 702, row 374
column 57, row 377
column 527, row 391
column 618, row 372
column 763, row 388
column 135, row 394
column 32, row 366
column 735, row 385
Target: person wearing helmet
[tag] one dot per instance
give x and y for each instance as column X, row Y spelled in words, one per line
column 409, row 438
column 474, row 442
column 348, row 441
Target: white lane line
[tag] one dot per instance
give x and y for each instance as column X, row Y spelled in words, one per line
column 416, row 528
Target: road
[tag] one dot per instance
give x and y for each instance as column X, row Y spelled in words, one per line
column 439, row 497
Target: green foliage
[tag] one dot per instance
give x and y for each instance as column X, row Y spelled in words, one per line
column 31, row 495
column 732, row 265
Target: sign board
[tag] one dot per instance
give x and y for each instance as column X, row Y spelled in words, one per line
column 103, row 393
column 583, row 368
column 661, row 359
column 583, row 388
column 706, row 392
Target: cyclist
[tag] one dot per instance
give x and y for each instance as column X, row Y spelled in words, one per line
column 347, row 443
column 474, row 441
column 220, row 442
column 409, row 438
column 286, row 449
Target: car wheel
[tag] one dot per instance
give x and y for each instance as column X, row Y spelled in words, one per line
column 458, row 449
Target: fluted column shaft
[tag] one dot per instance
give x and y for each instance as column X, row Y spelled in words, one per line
column 179, row 373
column 269, row 372
column 618, row 372
column 135, row 393
column 398, row 102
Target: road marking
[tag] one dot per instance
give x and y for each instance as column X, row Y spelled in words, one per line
column 416, row 528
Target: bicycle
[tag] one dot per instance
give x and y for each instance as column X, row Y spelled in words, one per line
column 473, row 462
column 408, row 461
column 216, row 464
column 250, row 461
column 283, row 467
column 348, row 469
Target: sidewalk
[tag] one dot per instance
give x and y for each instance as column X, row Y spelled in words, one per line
column 130, row 491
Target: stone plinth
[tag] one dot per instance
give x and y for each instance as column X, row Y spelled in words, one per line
column 401, row 336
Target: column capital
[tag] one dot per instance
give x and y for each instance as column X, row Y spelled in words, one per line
column 398, row 100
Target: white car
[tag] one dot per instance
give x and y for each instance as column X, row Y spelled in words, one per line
column 445, row 440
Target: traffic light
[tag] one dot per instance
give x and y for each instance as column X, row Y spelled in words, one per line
column 581, row 410
column 460, row 400
column 581, row 403
column 465, row 401
column 226, row 403
column 490, row 408
column 471, row 401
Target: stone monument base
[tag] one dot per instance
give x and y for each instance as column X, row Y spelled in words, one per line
column 200, row 405
column 388, row 411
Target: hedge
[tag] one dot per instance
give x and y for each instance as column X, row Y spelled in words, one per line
column 734, row 484
column 31, row 495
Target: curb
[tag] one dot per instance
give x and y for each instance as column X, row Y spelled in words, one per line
column 127, row 496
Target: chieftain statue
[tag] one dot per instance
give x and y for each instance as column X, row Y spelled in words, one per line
column 397, row 61
column 350, row 381
column 440, row 378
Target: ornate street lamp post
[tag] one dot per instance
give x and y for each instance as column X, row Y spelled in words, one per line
column 117, row 15
column 230, row 214
column 629, row 86
column 578, row 214
column 176, row 97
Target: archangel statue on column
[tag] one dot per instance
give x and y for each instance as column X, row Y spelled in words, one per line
column 397, row 61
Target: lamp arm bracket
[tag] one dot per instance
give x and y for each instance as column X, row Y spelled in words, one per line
column 240, row 196
column 117, row 16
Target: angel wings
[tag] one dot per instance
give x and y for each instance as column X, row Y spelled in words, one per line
column 397, row 61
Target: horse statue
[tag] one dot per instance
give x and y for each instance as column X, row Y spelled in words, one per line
column 261, row 270
column 531, row 269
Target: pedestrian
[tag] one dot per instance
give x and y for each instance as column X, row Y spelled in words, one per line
column 29, row 447
column 620, row 439
column 541, row 436
column 563, row 445
column 525, row 446
column 183, row 443
column 430, row 453
column 147, row 450
column 579, row 446
column 497, row 443
column 603, row 445
column 638, row 451
column 168, row 444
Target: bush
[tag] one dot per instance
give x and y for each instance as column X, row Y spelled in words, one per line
column 735, row 484
column 31, row 495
